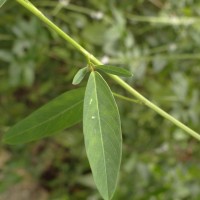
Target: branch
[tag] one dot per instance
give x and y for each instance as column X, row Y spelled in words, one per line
column 29, row 6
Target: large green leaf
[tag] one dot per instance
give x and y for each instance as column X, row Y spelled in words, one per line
column 113, row 70
column 2, row 2
column 102, row 133
column 62, row 112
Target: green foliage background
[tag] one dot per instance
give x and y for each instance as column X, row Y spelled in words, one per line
column 159, row 160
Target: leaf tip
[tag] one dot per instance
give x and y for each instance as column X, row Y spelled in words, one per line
column 79, row 76
column 74, row 82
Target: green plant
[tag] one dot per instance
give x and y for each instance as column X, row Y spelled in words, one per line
column 58, row 111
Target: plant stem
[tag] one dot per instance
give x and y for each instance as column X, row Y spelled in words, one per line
column 71, row 7
column 155, row 108
column 195, row 56
column 164, row 20
column 29, row 6
column 126, row 98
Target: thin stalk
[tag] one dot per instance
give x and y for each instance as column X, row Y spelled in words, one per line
column 172, row 57
column 177, row 57
column 71, row 7
column 174, row 21
column 29, row 6
column 126, row 98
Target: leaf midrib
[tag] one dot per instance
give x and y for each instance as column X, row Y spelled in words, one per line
column 50, row 119
column 101, row 134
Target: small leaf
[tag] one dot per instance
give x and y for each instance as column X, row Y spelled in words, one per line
column 79, row 76
column 2, row 2
column 102, row 134
column 62, row 112
column 114, row 70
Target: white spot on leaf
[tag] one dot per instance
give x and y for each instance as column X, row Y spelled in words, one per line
column 93, row 117
column 91, row 101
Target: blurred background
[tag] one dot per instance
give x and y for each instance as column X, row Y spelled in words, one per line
column 157, row 40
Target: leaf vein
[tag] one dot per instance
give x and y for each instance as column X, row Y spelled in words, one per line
column 38, row 125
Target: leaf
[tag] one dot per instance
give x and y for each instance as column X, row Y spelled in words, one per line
column 79, row 76
column 62, row 112
column 102, row 134
column 2, row 2
column 114, row 70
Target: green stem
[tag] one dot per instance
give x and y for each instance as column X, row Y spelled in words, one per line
column 160, row 56
column 164, row 20
column 71, row 7
column 128, row 88
column 126, row 98
column 29, row 6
